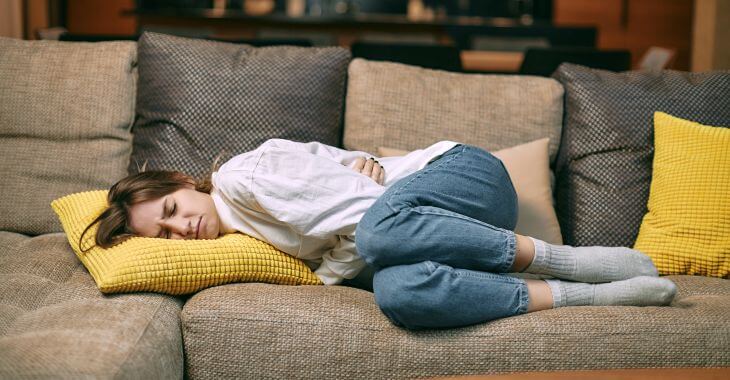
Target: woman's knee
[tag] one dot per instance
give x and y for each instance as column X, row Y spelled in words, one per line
column 396, row 294
column 371, row 240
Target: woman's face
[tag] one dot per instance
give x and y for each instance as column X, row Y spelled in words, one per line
column 184, row 214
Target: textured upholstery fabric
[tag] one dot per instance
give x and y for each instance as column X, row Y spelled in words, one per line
column 65, row 113
column 687, row 228
column 199, row 99
column 407, row 107
column 604, row 165
column 54, row 323
column 173, row 266
column 266, row 331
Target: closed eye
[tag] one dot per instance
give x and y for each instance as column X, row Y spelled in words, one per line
column 165, row 234
column 172, row 212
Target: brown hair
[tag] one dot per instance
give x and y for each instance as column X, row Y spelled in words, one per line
column 131, row 190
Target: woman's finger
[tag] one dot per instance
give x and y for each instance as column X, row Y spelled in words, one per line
column 376, row 172
column 368, row 168
column 381, row 179
column 359, row 164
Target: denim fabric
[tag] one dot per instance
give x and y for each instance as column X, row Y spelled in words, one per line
column 437, row 239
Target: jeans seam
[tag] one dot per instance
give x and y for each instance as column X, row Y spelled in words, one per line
column 436, row 211
column 478, row 274
column 511, row 252
column 524, row 298
column 420, row 173
column 488, row 276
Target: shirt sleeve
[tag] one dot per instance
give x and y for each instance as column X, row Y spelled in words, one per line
column 340, row 263
column 344, row 157
column 316, row 196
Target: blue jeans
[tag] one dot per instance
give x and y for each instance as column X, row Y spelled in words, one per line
column 437, row 240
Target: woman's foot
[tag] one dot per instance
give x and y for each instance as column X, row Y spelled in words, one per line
column 589, row 264
column 637, row 291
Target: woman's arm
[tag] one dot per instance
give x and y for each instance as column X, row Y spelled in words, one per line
column 345, row 157
column 361, row 162
column 341, row 262
column 314, row 195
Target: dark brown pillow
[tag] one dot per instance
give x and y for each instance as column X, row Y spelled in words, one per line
column 199, row 98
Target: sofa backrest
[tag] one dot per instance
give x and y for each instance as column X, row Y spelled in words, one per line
column 407, row 107
column 66, row 110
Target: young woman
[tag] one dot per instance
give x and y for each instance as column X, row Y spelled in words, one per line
column 434, row 225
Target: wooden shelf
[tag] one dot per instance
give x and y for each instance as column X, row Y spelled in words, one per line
column 493, row 61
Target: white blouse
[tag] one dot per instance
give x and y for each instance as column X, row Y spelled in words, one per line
column 306, row 200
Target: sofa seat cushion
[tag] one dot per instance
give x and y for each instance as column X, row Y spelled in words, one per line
column 269, row 331
column 54, row 322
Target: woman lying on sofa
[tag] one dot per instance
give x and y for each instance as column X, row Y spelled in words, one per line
column 437, row 230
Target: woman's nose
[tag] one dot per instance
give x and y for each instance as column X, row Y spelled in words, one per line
column 179, row 228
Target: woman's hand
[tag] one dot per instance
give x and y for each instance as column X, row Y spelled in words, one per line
column 370, row 168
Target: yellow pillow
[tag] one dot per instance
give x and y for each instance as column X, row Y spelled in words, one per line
column 687, row 227
column 173, row 266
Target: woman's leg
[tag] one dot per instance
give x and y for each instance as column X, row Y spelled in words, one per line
column 432, row 295
column 458, row 211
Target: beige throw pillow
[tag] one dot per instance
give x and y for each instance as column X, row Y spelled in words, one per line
column 527, row 165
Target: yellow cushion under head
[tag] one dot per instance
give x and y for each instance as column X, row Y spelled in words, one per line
column 173, row 266
column 687, row 227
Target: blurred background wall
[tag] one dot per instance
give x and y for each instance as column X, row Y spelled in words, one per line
column 711, row 35
column 11, row 18
column 696, row 31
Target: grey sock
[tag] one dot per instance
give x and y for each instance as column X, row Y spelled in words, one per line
column 637, row 291
column 589, row 264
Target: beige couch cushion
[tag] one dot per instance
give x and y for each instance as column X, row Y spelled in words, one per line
column 407, row 107
column 65, row 113
column 280, row 332
column 54, row 322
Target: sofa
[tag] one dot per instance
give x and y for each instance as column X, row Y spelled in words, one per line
column 78, row 116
